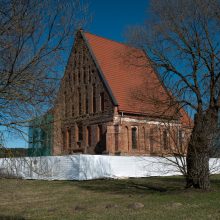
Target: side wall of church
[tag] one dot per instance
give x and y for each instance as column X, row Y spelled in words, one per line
column 138, row 135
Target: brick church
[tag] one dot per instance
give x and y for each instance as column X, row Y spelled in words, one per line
column 112, row 102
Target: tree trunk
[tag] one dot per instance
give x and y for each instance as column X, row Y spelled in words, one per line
column 199, row 150
column 197, row 168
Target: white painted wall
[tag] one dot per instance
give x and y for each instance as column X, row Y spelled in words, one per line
column 86, row 167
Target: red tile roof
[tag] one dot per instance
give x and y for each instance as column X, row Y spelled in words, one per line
column 133, row 83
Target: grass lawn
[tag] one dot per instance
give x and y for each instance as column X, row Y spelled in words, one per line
column 163, row 198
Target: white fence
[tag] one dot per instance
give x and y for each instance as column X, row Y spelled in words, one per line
column 86, row 167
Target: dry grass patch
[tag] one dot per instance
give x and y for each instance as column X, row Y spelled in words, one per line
column 161, row 198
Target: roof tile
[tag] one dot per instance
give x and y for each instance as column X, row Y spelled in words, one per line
column 135, row 85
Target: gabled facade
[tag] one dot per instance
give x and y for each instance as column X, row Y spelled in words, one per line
column 100, row 109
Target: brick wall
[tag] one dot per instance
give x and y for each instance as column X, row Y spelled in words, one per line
column 146, row 136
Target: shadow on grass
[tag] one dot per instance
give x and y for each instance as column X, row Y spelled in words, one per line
column 144, row 186
column 215, row 180
column 6, row 217
column 135, row 186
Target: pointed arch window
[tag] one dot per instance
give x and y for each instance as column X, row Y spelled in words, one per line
column 94, row 99
column 165, row 139
column 134, row 137
column 89, row 136
column 102, row 101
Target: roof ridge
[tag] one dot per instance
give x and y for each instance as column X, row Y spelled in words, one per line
column 125, row 44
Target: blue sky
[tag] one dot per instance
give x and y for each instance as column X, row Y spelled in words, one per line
column 110, row 19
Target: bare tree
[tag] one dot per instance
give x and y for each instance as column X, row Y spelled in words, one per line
column 181, row 39
column 35, row 39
